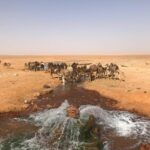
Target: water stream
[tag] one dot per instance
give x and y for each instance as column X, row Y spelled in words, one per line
column 53, row 130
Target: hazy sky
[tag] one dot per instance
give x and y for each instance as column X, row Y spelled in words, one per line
column 74, row 26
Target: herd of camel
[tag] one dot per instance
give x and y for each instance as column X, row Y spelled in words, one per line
column 75, row 72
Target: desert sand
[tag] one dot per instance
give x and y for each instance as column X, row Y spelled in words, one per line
column 132, row 92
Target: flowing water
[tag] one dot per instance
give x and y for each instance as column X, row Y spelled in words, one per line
column 55, row 131
column 121, row 130
column 52, row 129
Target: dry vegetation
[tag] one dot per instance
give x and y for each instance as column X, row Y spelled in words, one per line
column 17, row 85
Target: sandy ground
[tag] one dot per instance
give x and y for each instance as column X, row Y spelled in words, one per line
column 17, row 85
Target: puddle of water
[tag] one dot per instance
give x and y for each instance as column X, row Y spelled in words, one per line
column 120, row 130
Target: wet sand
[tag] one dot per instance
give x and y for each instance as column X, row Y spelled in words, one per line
column 74, row 94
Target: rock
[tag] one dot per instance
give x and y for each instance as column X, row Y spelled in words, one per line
column 36, row 94
column 46, row 86
column 124, row 66
column 48, row 106
column 29, row 102
column 72, row 111
column 46, row 91
column 25, row 106
column 26, row 101
column 90, row 134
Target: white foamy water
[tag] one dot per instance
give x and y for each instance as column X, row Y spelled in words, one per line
column 48, row 116
column 59, row 132
column 123, row 123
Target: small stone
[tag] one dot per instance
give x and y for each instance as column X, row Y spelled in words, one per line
column 46, row 86
column 48, row 106
column 25, row 106
column 36, row 94
column 46, row 91
column 26, row 101
column 72, row 111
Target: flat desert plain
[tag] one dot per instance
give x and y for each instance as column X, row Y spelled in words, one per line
column 132, row 91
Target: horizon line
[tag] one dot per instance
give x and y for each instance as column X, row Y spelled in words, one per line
column 75, row 54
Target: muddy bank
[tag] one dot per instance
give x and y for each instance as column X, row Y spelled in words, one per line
column 133, row 98
column 74, row 94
